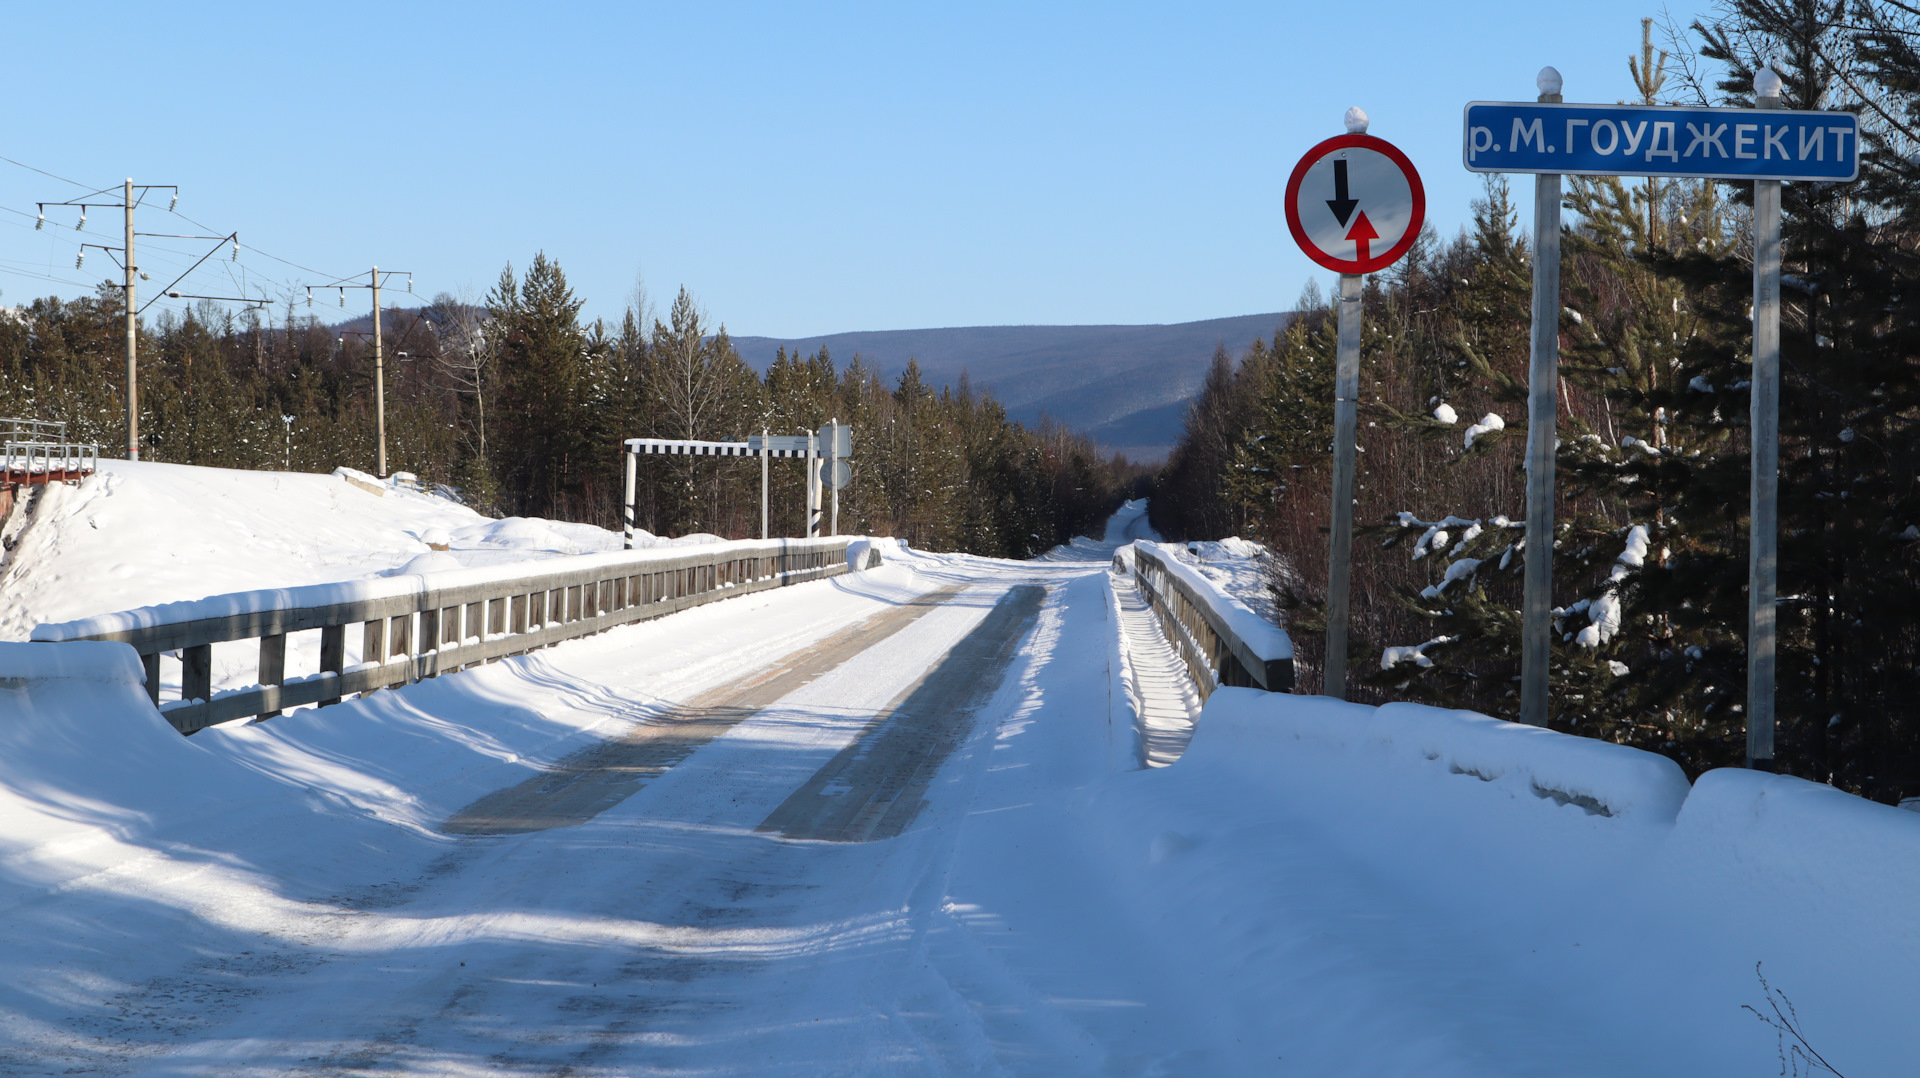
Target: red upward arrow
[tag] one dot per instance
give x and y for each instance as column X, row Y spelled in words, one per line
column 1362, row 232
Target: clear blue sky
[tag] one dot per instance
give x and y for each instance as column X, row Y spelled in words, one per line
column 802, row 168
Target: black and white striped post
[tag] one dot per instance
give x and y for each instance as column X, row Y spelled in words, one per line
column 813, row 486
column 633, row 462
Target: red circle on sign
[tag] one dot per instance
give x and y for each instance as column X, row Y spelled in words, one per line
column 1414, row 223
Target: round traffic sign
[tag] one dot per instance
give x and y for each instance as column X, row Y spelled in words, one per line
column 1355, row 204
column 837, row 474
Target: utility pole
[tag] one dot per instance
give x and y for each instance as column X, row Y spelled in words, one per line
column 126, row 204
column 379, row 378
column 133, row 335
column 375, row 279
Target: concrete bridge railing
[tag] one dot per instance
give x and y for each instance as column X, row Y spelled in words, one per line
column 418, row 626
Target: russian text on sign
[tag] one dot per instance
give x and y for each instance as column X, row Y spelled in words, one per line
column 1659, row 140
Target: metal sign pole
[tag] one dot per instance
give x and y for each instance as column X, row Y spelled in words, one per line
column 632, row 462
column 1763, row 541
column 833, row 458
column 763, row 483
column 1346, row 421
column 1543, row 379
column 1372, row 219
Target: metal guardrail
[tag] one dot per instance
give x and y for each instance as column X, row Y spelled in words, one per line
column 37, row 451
column 31, row 462
column 439, row 629
column 16, row 429
column 1214, row 654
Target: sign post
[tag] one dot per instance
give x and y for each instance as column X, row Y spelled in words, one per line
column 813, row 485
column 1763, row 541
column 1543, row 382
column 1765, row 144
column 632, row 461
column 1354, row 205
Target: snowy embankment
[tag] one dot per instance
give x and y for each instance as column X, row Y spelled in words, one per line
column 1407, row 890
column 170, row 540
column 1332, row 863
column 141, row 534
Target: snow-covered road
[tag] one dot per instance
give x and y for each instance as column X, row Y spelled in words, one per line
column 415, row 880
column 890, row 823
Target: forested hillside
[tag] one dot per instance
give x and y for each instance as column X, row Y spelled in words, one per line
column 1126, row 386
column 521, row 406
column 1651, row 549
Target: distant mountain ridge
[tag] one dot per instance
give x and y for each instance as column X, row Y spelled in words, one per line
column 1127, row 386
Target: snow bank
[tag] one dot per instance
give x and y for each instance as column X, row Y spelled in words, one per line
column 1263, row 637
column 868, row 553
column 95, row 661
column 1821, row 853
column 1587, row 869
column 1600, row 778
column 87, row 765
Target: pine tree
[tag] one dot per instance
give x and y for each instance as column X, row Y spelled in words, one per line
column 545, row 448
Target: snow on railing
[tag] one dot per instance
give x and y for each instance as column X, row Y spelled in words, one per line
column 38, row 451
column 38, row 461
column 1220, row 639
column 420, row 625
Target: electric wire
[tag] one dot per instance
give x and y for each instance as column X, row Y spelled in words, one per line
column 289, row 288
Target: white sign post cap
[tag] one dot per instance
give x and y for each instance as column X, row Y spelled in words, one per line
column 1357, row 121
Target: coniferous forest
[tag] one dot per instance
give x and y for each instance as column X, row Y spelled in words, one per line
column 1650, row 553
column 520, row 406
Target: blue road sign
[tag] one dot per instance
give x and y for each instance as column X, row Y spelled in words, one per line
column 1656, row 140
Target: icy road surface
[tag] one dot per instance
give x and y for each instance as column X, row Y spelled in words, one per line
column 888, row 824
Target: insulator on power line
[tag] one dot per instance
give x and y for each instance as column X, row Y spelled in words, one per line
column 236, row 249
column 343, row 297
column 309, row 297
column 80, row 259
column 174, row 201
column 409, row 282
column 40, row 222
column 83, row 219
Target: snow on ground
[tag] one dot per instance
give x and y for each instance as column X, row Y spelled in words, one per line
column 1314, row 888
column 140, row 533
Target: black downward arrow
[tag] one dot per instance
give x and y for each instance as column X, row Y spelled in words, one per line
column 1340, row 204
